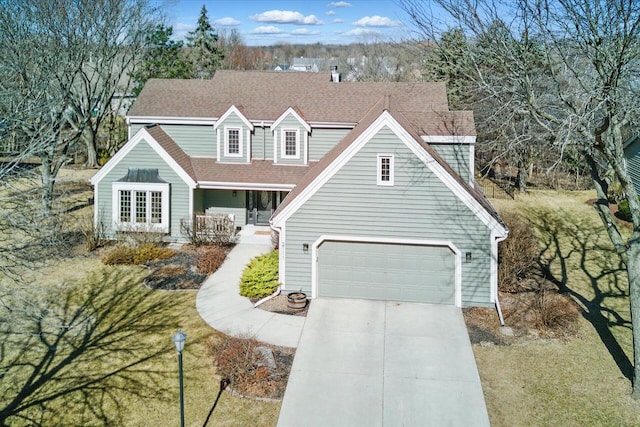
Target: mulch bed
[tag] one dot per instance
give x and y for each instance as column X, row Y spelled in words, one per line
column 523, row 318
column 178, row 272
column 279, row 305
column 241, row 364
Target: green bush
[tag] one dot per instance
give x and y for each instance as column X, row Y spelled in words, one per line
column 123, row 254
column 624, row 212
column 260, row 278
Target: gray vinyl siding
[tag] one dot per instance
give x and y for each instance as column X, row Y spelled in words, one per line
column 457, row 155
column 290, row 123
column 262, row 144
column 233, row 121
column 418, row 206
column 135, row 128
column 143, row 156
column 323, row 140
column 222, row 202
column 195, row 140
column 632, row 154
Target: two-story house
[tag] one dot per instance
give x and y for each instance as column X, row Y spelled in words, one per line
column 370, row 185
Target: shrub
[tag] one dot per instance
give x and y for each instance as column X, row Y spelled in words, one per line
column 518, row 255
column 209, row 229
column 95, row 235
column 121, row 254
column 624, row 212
column 557, row 312
column 238, row 360
column 211, row 260
column 260, row 278
column 124, row 254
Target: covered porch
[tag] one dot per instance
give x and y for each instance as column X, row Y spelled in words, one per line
column 247, row 206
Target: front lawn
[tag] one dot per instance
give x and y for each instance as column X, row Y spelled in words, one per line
column 577, row 381
column 127, row 372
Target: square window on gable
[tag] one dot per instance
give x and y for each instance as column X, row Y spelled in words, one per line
column 233, row 142
column 385, row 169
column 290, row 144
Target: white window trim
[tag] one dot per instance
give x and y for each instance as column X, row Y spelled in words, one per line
column 390, row 182
column 283, row 143
column 226, row 141
column 117, row 187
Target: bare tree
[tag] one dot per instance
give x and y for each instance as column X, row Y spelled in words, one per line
column 589, row 52
column 61, row 63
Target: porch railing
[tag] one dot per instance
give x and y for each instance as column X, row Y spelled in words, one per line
column 209, row 228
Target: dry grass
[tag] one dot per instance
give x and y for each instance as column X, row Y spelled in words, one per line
column 576, row 381
column 156, row 403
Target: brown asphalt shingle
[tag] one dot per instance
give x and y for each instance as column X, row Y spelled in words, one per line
column 173, row 149
column 265, row 95
column 258, row 171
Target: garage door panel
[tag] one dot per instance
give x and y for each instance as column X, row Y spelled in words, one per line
column 386, row 271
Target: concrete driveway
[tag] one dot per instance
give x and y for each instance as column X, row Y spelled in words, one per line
column 375, row 363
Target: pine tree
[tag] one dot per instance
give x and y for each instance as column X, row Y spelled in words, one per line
column 165, row 59
column 204, row 49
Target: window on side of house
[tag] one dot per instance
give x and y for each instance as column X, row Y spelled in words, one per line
column 385, row 169
column 290, row 144
column 233, row 142
column 141, row 207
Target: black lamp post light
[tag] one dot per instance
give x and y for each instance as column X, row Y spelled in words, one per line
column 179, row 339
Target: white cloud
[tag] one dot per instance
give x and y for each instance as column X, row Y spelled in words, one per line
column 180, row 30
column 304, row 32
column 330, row 12
column 268, row 29
column 226, row 22
column 286, row 17
column 339, row 4
column 362, row 32
column 338, row 21
column 376, row 21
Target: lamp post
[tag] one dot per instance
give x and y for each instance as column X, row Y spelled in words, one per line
column 179, row 339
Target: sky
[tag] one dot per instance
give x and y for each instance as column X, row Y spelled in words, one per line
column 267, row 22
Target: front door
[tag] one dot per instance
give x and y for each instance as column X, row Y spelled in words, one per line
column 261, row 206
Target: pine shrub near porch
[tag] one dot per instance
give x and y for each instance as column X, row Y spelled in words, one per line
column 260, row 277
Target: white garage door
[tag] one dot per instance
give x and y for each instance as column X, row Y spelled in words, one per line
column 382, row 271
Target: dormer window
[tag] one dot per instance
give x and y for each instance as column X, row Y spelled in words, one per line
column 290, row 144
column 233, row 142
column 385, row 169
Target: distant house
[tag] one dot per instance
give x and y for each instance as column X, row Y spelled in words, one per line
column 370, row 186
column 281, row 67
column 307, row 64
column 121, row 102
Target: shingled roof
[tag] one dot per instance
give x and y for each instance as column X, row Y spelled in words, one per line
column 265, row 95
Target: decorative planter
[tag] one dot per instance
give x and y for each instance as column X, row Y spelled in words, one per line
column 297, row 300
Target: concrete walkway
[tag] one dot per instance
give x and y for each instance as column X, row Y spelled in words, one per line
column 376, row 363
column 221, row 306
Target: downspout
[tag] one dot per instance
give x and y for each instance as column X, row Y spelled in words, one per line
column 277, row 292
column 265, row 299
column 264, row 142
column 498, row 309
